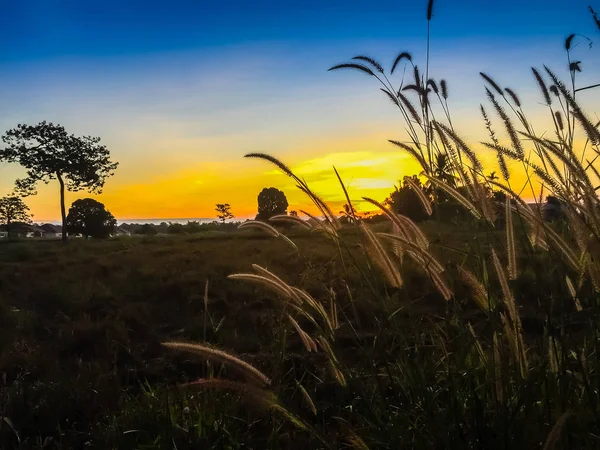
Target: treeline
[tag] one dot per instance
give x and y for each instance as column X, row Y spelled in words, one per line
column 177, row 228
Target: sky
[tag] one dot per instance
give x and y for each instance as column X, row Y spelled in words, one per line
column 179, row 91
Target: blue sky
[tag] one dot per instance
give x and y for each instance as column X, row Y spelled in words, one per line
column 179, row 91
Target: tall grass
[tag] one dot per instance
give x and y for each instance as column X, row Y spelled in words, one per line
column 509, row 358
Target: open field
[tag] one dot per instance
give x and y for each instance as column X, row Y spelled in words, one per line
column 82, row 327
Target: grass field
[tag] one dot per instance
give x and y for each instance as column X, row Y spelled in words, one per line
column 82, row 327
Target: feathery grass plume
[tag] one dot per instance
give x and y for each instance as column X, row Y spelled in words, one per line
column 306, row 339
column 322, row 206
column 477, row 290
column 509, row 300
column 429, row 9
column 400, row 57
column 380, row 257
column 413, row 152
column 266, row 273
column 444, row 89
column 478, row 346
column 419, row 254
column 355, row 441
column 554, row 90
column 221, row 357
column 285, row 169
column 488, row 125
column 262, row 225
column 504, row 151
column 349, row 202
column 492, row 83
column 333, row 313
column 418, row 235
column 409, row 106
column 431, row 83
column 510, row 129
column 391, row 96
column 566, row 155
column 542, row 86
column 281, row 289
column 510, row 242
column 316, row 305
column 590, row 130
column 498, row 369
column 333, row 361
column 307, row 399
column 553, row 354
column 440, row 285
column 480, row 194
column 293, row 219
column 511, row 337
column 397, row 246
column 568, row 42
column 514, row 333
column 456, row 195
column 514, row 97
column 557, row 430
column 359, row 67
column 559, row 120
column 390, row 215
column 461, row 145
column 424, row 200
column 370, row 61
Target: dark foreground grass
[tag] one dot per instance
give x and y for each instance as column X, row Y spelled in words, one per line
column 81, row 327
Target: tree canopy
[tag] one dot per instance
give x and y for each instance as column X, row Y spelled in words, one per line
column 271, row 202
column 90, row 218
column 13, row 209
column 48, row 153
column 404, row 200
column 223, row 211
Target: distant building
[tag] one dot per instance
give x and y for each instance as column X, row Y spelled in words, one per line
column 52, row 231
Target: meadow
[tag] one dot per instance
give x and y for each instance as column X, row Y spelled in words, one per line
column 472, row 325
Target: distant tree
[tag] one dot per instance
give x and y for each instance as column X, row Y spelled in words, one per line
column 271, row 202
column 224, row 212
column 404, row 200
column 48, row 153
column 293, row 213
column 553, row 209
column 147, row 229
column 193, row 227
column 176, row 228
column 12, row 210
column 90, row 218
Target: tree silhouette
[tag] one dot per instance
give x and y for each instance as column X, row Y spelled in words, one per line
column 48, row 153
column 271, row 201
column 404, row 200
column 224, row 211
column 90, row 218
column 12, row 209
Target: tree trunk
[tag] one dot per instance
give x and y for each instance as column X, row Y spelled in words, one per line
column 62, row 207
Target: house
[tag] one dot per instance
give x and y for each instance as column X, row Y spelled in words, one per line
column 51, row 231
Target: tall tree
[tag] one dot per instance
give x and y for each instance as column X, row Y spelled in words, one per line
column 271, row 201
column 90, row 218
column 12, row 209
column 224, row 211
column 48, row 153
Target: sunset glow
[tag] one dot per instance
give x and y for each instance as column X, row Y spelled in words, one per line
column 180, row 94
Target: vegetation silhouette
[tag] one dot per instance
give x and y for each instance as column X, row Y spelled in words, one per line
column 48, row 153
column 13, row 209
column 223, row 212
column 271, row 202
column 89, row 218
